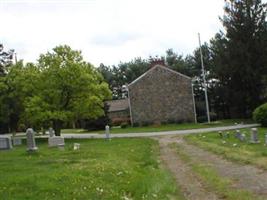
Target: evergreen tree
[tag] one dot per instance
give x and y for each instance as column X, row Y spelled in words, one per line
column 240, row 55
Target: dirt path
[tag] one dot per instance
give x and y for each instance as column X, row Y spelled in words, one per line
column 245, row 177
column 191, row 187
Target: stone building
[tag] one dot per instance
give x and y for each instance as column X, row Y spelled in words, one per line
column 118, row 111
column 160, row 95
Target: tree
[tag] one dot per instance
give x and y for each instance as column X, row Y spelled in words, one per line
column 17, row 85
column 68, row 89
column 241, row 70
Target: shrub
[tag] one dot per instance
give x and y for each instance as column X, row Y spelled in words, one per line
column 136, row 124
column 260, row 115
column 124, row 125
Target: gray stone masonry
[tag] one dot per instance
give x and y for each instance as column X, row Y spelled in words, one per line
column 161, row 95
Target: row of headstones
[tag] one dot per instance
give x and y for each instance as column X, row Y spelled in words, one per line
column 53, row 141
column 242, row 136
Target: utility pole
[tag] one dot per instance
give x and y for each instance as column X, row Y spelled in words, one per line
column 204, row 80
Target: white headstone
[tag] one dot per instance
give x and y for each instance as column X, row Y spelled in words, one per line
column 107, row 131
column 31, row 144
column 56, row 141
column 51, row 132
column 5, row 142
column 242, row 137
column 76, row 146
column 17, row 141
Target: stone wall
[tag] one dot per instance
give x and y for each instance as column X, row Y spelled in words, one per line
column 161, row 95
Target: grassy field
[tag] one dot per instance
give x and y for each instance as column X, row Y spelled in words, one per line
column 117, row 169
column 165, row 127
column 231, row 148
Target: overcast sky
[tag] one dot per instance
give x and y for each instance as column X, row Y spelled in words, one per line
column 107, row 31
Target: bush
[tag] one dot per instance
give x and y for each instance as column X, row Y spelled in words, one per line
column 260, row 115
column 124, row 125
column 136, row 124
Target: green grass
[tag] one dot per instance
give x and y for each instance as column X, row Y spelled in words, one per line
column 165, row 127
column 233, row 149
column 214, row 182
column 116, row 169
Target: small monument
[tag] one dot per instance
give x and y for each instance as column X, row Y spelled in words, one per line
column 56, row 141
column 237, row 134
column 31, row 145
column 5, row 142
column 107, row 131
column 76, row 146
column 17, row 141
column 254, row 136
column 265, row 139
column 243, row 137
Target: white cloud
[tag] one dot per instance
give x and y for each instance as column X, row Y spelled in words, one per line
column 107, row 31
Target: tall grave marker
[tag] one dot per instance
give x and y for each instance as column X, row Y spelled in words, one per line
column 31, row 144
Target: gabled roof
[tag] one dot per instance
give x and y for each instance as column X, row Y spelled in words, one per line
column 158, row 66
column 118, row 105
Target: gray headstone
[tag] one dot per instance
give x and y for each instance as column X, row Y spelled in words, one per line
column 5, row 142
column 242, row 137
column 56, row 141
column 31, row 144
column 17, row 141
column 237, row 134
column 265, row 138
column 107, row 132
column 254, row 136
column 51, row 132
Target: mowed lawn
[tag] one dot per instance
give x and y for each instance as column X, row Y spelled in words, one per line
column 116, row 169
column 233, row 149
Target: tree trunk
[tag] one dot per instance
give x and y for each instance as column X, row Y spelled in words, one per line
column 57, row 124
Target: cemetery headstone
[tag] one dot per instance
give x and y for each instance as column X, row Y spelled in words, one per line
column 5, row 142
column 242, row 137
column 107, row 131
column 51, row 132
column 17, row 141
column 56, row 141
column 265, row 139
column 237, row 134
column 76, row 146
column 254, row 136
column 31, row 144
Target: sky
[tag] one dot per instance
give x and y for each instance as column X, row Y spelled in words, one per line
column 108, row 31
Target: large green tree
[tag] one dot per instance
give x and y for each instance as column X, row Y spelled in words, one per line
column 68, row 89
column 240, row 55
column 17, row 85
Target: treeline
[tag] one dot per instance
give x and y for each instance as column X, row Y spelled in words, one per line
column 235, row 61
